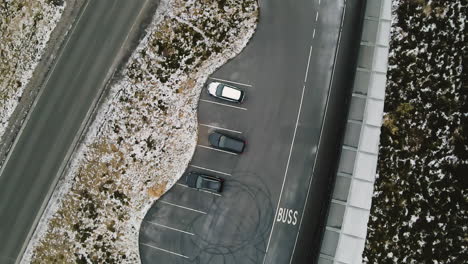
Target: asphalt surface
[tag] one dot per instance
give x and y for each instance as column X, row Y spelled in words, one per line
column 102, row 37
column 297, row 72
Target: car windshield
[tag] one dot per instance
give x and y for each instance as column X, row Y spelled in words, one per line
column 222, row 141
column 219, row 89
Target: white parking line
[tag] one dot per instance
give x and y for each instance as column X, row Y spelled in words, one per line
column 220, row 128
column 220, row 150
column 164, row 250
column 212, row 102
column 308, row 63
column 183, row 207
column 185, row 186
column 244, row 84
column 171, row 228
column 285, row 172
column 215, row 171
column 213, row 193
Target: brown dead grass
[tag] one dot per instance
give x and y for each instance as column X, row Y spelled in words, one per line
column 96, row 179
column 157, row 190
column 93, row 213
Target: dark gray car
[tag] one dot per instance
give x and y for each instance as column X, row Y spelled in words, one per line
column 225, row 142
column 205, row 182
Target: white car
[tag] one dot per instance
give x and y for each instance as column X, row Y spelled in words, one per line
column 226, row 92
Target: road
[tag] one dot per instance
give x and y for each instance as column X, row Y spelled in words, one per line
column 297, row 72
column 100, row 40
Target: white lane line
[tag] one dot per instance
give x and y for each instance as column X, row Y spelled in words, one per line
column 316, row 16
column 171, row 228
column 222, row 80
column 313, row 34
column 183, row 185
column 164, row 250
column 220, row 150
column 220, row 128
column 183, row 207
column 236, row 107
column 319, row 2
column 308, row 63
column 285, row 172
column 321, row 130
column 215, row 171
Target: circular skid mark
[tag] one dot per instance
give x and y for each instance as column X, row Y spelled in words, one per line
column 237, row 223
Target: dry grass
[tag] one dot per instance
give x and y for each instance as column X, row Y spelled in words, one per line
column 79, row 216
column 157, row 190
column 145, row 141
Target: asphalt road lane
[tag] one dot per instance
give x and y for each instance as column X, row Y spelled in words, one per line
column 321, row 183
column 307, row 130
column 288, row 66
column 96, row 46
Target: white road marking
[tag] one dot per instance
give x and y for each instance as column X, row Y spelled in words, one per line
column 220, row 150
column 220, row 128
column 319, row 2
column 308, row 63
column 222, row 80
column 164, row 250
column 183, row 207
column 213, row 193
column 183, row 185
column 321, row 131
column 316, row 16
column 171, row 228
column 212, row 102
column 286, row 171
column 313, row 34
column 215, row 171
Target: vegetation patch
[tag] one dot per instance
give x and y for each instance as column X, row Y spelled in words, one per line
column 25, row 28
column 144, row 135
column 419, row 206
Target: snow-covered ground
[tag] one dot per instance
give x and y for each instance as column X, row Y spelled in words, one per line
column 25, row 28
column 144, row 135
column 419, row 209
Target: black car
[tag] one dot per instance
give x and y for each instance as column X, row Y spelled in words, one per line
column 205, row 182
column 225, row 142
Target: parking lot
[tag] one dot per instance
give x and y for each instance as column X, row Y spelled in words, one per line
column 193, row 226
column 275, row 193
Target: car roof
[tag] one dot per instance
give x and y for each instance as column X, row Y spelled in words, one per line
column 232, row 93
column 233, row 144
